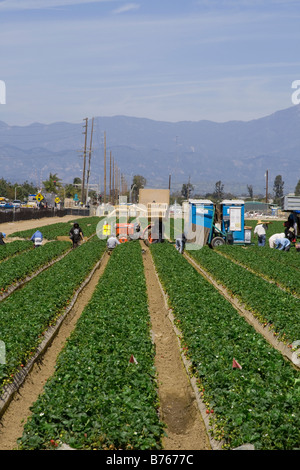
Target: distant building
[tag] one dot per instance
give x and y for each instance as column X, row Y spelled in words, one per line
column 155, row 200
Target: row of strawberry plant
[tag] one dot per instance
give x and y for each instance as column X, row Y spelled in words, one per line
column 278, row 267
column 16, row 269
column 258, row 404
column 51, row 232
column 11, row 249
column 28, row 312
column 98, row 398
column 271, row 305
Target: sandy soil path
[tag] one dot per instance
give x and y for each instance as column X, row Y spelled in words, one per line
column 185, row 427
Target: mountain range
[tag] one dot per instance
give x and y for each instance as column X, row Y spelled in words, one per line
column 236, row 152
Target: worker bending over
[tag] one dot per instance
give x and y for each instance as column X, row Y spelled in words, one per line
column 282, row 244
column 112, row 242
column 2, row 236
column 180, row 243
column 37, row 239
column 274, row 237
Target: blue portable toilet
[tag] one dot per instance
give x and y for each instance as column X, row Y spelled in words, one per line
column 200, row 220
column 233, row 218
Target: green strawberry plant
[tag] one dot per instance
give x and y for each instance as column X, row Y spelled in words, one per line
column 17, row 268
column 27, row 313
column 11, row 249
column 51, row 232
column 271, row 305
column 280, row 267
column 258, row 404
column 97, row 398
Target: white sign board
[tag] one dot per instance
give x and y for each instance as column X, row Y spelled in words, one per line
column 235, row 214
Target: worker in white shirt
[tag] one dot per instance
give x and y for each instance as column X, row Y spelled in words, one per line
column 260, row 231
column 112, row 242
column 273, row 238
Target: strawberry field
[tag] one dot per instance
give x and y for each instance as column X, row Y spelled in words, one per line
column 104, row 393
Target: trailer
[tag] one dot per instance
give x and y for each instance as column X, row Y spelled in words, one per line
column 216, row 225
column 291, row 204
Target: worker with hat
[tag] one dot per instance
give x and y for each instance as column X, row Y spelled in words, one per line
column 260, row 231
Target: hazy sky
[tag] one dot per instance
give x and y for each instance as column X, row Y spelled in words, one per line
column 168, row 60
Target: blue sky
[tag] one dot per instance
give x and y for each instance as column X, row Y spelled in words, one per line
column 167, row 60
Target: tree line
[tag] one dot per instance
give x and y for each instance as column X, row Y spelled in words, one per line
column 219, row 193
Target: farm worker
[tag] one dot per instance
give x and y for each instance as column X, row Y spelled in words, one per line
column 290, row 234
column 106, row 229
column 37, row 238
column 273, row 238
column 2, row 235
column 112, row 242
column 157, row 231
column 76, row 234
column 292, row 222
column 180, row 243
column 260, row 231
column 282, row 244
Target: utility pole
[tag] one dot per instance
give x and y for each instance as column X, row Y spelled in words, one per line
column 113, row 183
column 84, row 161
column 117, row 182
column 104, row 194
column 89, row 167
column 169, row 182
column 110, row 177
column 267, row 177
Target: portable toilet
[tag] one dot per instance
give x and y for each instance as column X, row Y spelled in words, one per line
column 233, row 217
column 200, row 220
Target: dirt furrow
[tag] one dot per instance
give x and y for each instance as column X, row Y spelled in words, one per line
column 179, row 410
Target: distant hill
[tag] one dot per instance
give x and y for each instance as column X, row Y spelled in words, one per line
column 236, row 152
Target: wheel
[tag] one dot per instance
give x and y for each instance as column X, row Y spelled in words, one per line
column 217, row 241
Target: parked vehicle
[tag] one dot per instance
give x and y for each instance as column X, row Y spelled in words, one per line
column 6, row 205
column 16, row 203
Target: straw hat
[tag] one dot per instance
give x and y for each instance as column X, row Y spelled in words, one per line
column 260, row 222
